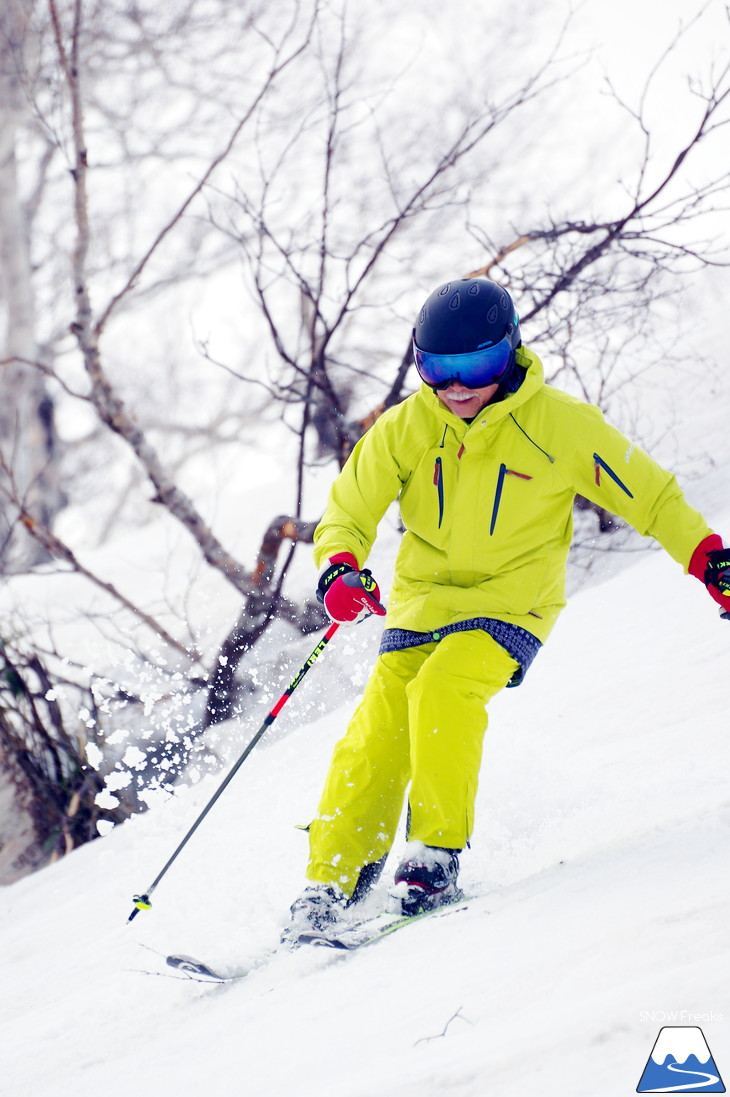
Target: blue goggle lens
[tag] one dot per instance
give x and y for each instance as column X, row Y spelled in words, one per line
column 474, row 370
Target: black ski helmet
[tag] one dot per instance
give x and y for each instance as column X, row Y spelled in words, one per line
column 466, row 315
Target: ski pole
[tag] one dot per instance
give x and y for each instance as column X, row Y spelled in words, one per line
column 142, row 902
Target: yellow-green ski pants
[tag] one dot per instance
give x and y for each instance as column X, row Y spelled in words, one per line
column 422, row 719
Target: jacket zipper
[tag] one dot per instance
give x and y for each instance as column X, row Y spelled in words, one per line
column 497, row 497
column 438, row 479
column 532, row 441
column 601, row 464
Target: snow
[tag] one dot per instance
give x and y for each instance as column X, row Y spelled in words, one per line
column 598, row 868
column 598, row 871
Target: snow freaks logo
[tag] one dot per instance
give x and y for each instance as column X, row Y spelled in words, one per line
column 680, row 1062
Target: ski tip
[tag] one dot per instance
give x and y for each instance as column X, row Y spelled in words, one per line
column 195, row 968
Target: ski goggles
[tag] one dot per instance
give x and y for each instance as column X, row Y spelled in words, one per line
column 474, row 370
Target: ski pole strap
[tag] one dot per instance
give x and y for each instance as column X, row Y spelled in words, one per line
column 517, row 641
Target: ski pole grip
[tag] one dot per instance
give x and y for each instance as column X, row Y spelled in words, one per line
column 365, row 582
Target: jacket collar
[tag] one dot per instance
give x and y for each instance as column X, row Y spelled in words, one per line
column 492, row 414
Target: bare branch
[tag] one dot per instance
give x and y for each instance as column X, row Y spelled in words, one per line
column 61, row 551
column 458, row 1016
column 632, row 223
column 278, row 67
column 109, row 405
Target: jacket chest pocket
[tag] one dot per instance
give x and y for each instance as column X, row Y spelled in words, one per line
column 438, row 482
column 428, row 499
column 445, row 469
column 500, row 491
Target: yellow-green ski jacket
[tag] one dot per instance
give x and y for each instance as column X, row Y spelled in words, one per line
column 487, row 506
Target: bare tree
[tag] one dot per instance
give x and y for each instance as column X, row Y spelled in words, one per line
column 332, row 197
column 27, row 736
column 48, row 792
column 263, row 589
column 600, row 274
column 28, row 436
column 585, row 283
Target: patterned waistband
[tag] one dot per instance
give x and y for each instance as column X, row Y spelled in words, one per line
column 521, row 644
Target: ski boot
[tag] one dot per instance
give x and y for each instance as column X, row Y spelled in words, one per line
column 426, row 879
column 317, row 909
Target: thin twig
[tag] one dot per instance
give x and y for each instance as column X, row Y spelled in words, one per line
column 439, row 1035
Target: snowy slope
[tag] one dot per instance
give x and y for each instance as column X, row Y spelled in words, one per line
column 599, row 865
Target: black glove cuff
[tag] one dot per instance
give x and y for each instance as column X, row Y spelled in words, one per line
column 328, row 576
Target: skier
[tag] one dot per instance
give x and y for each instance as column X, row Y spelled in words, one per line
column 486, row 460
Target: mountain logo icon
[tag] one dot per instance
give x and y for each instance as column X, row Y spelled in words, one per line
column 680, row 1062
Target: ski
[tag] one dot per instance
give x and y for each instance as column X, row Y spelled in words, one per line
column 354, row 935
column 189, row 967
column 201, row 972
column 345, row 936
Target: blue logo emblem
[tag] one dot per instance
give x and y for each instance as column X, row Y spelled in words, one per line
column 680, row 1062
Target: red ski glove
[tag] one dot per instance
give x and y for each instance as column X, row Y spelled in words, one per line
column 347, row 593
column 710, row 564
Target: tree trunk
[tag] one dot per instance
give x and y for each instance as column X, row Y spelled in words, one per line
column 21, row 848
column 27, row 434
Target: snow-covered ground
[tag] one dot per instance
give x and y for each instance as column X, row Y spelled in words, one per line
column 598, row 871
